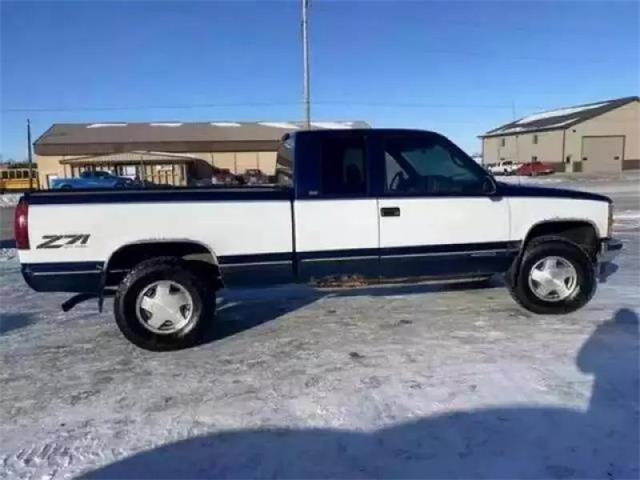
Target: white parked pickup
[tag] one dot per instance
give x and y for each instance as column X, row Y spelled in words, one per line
column 378, row 204
column 506, row 167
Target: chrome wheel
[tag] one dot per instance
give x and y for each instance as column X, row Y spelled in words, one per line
column 553, row 279
column 164, row 307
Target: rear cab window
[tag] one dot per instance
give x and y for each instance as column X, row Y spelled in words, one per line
column 342, row 167
column 331, row 164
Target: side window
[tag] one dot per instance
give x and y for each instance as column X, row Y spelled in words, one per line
column 284, row 164
column 429, row 166
column 342, row 165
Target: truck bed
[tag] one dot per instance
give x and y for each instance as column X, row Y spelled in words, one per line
column 74, row 234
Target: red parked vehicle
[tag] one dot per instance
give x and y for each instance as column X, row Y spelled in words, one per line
column 532, row 169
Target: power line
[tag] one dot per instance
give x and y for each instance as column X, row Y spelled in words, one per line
column 256, row 104
column 147, row 107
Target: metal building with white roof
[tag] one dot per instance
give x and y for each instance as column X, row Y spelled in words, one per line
column 595, row 137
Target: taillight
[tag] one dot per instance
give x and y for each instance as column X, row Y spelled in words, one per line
column 21, row 225
column 610, row 222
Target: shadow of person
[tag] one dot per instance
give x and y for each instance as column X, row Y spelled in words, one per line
column 611, row 354
column 507, row 442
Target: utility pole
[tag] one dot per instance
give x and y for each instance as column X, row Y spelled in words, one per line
column 29, row 155
column 513, row 116
column 305, row 59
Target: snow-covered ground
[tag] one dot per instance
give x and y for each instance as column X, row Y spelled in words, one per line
column 9, row 199
column 405, row 381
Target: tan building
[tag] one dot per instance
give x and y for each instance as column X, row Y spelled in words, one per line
column 596, row 137
column 164, row 152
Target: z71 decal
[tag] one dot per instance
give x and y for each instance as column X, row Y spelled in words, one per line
column 64, row 241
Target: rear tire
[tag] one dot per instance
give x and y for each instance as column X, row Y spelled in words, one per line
column 572, row 292
column 181, row 286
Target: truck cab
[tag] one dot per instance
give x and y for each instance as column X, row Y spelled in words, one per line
column 391, row 203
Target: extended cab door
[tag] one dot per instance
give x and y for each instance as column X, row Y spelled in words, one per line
column 335, row 212
column 438, row 216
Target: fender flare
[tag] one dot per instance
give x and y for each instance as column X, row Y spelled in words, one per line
column 150, row 241
column 512, row 273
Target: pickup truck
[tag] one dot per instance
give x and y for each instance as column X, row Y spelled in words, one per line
column 377, row 204
column 506, row 167
column 89, row 179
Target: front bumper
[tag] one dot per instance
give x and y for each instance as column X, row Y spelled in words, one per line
column 610, row 248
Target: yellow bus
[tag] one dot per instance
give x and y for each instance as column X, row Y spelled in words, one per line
column 17, row 179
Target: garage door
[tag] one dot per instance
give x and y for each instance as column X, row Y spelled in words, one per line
column 602, row 154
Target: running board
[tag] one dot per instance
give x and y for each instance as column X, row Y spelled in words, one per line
column 83, row 297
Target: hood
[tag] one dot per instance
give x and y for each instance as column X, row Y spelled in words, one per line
column 510, row 190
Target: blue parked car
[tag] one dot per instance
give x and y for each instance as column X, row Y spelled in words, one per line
column 97, row 179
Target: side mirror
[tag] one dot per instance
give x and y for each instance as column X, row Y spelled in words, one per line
column 489, row 186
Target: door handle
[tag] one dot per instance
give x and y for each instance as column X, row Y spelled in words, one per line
column 390, row 212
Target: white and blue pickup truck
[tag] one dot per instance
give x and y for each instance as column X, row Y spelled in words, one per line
column 379, row 204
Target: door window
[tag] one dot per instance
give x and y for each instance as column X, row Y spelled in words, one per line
column 342, row 167
column 429, row 166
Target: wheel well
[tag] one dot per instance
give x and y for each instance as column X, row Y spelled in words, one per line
column 199, row 258
column 578, row 232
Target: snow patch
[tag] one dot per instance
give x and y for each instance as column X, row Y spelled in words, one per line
column 287, row 125
column 566, row 122
column 333, row 125
column 511, row 130
column 9, row 199
column 224, row 124
column 101, row 125
column 559, row 112
column 176, row 124
column 627, row 215
column 7, row 254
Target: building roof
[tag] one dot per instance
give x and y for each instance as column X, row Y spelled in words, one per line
column 112, row 137
column 559, row 119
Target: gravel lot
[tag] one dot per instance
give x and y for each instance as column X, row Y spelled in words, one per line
column 405, row 381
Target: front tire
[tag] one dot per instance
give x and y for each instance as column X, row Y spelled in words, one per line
column 555, row 277
column 162, row 305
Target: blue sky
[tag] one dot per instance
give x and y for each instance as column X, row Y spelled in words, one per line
column 457, row 67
